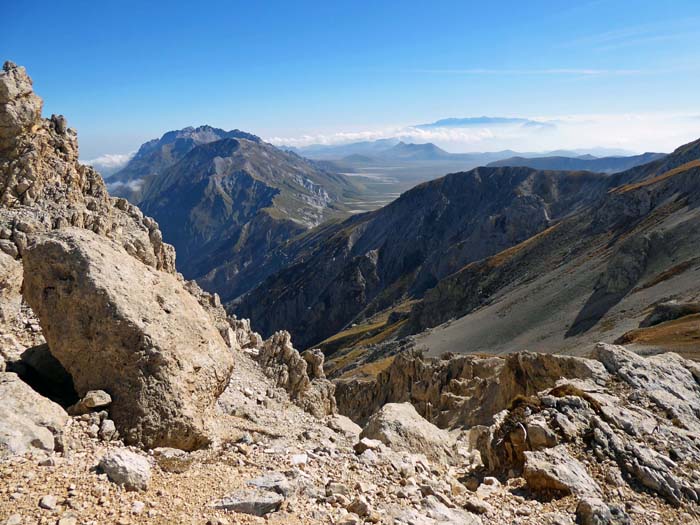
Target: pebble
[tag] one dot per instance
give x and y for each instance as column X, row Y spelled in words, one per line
column 48, row 502
column 300, row 459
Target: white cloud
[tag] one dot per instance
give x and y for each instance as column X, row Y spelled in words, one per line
column 110, row 162
column 133, row 185
column 635, row 132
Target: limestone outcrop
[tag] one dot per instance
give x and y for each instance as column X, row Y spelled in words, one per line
column 301, row 375
column 460, row 390
column 123, row 327
column 43, row 186
column 641, row 427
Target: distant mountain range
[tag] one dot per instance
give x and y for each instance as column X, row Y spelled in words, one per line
column 393, row 149
column 226, row 198
column 582, row 163
column 494, row 259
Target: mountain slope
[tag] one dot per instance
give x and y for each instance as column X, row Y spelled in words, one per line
column 347, row 271
column 587, row 163
column 225, row 204
column 594, row 276
column 520, row 258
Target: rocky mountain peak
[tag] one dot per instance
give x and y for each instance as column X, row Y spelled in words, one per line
column 20, row 108
column 40, row 156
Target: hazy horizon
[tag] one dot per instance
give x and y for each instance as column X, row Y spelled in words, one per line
column 598, row 74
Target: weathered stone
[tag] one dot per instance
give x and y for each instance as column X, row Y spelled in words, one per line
column 120, row 326
column 257, row 502
column 360, row 506
column 335, row 488
column 10, row 284
column 14, row 519
column 173, row 459
column 367, row 444
column 477, row 506
column 400, row 427
column 93, row 399
column 594, row 511
column 556, row 471
column 539, row 435
column 126, row 468
column 28, row 421
column 108, row 430
column 274, row 481
column 48, row 502
column 344, row 425
column 464, row 390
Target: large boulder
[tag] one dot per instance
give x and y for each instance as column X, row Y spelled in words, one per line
column 28, row 421
column 400, row 427
column 120, row 326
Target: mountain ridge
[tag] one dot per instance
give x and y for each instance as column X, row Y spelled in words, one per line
column 225, row 203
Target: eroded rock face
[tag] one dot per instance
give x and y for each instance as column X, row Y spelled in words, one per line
column 123, row 327
column 460, row 389
column 10, row 284
column 28, row 421
column 300, row 375
column 43, row 186
column 669, row 311
column 641, row 427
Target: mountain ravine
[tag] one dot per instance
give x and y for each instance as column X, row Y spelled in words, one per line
column 354, row 269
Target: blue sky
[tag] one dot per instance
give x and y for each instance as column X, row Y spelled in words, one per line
column 619, row 73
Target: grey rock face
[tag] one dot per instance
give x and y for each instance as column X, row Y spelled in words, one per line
column 594, row 511
column 645, row 428
column 669, row 311
column 126, row 468
column 40, row 170
column 273, row 481
column 120, row 326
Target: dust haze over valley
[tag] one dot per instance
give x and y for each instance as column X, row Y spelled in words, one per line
column 293, row 264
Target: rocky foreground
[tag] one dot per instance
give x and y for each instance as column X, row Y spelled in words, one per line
column 129, row 396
